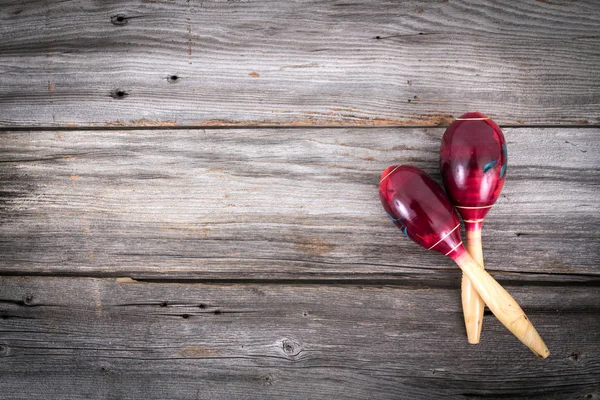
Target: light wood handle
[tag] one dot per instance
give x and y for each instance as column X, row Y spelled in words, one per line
column 473, row 305
column 504, row 307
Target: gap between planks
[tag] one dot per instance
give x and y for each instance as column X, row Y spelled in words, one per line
column 416, row 283
column 251, row 127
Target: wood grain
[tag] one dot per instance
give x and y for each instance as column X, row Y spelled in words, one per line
column 279, row 204
column 73, row 338
column 314, row 62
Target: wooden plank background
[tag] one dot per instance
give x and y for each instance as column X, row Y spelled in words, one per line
column 189, row 208
column 267, row 204
column 316, row 62
column 102, row 338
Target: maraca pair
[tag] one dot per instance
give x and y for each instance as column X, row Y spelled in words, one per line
column 473, row 164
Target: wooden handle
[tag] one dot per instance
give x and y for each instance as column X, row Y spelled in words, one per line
column 473, row 305
column 504, row 307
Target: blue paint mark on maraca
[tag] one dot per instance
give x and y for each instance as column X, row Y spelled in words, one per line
column 503, row 170
column 392, row 218
column 489, row 165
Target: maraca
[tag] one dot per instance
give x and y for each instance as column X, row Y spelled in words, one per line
column 473, row 166
column 419, row 207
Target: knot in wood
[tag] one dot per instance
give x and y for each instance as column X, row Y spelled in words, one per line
column 290, row 347
column 574, row 356
column 3, row 350
column 119, row 20
column 267, row 379
column 28, row 300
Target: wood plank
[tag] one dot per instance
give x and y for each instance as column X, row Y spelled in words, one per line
column 313, row 62
column 73, row 338
column 278, row 204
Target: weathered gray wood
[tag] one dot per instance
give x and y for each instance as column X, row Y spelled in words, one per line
column 278, row 204
column 69, row 338
column 316, row 62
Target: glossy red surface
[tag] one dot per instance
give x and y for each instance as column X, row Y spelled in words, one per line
column 419, row 207
column 473, row 161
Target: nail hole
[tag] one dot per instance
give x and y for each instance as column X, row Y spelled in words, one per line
column 202, row 306
column 217, row 312
column 28, row 299
column 119, row 20
column 119, row 94
column 377, row 37
column 185, row 316
column 164, row 304
column 173, row 78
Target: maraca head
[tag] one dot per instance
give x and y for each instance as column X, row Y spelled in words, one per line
column 473, row 164
column 419, row 207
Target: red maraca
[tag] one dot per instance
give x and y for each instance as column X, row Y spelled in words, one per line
column 419, row 207
column 473, row 166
